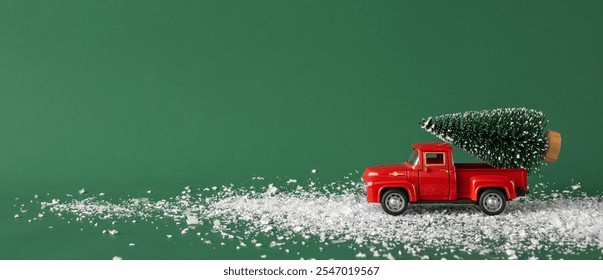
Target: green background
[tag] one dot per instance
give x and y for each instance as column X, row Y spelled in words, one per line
column 125, row 96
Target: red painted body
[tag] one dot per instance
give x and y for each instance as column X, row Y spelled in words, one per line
column 431, row 175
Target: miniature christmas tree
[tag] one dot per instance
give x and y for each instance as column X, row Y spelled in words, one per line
column 506, row 138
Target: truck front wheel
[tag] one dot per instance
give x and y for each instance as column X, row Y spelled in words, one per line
column 394, row 202
column 492, row 202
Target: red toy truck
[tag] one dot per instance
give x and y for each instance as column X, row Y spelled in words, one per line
column 431, row 176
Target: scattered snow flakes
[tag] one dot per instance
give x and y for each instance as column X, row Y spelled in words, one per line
column 274, row 244
column 290, row 181
column 336, row 214
column 576, row 187
column 313, row 171
column 111, row 231
column 101, row 194
column 117, row 258
column 217, row 225
column 17, row 216
column 192, row 220
column 132, row 244
column 511, row 254
column 149, row 191
column 82, row 191
column 263, row 256
column 271, row 190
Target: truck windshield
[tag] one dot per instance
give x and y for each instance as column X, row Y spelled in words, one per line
column 413, row 159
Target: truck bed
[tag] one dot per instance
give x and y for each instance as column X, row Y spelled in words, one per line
column 465, row 171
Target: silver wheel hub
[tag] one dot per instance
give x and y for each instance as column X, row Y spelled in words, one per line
column 394, row 202
column 492, row 202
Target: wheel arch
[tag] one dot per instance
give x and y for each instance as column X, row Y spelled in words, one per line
column 485, row 188
column 409, row 189
column 479, row 184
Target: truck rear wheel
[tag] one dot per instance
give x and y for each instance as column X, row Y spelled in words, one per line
column 394, row 202
column 492, row 202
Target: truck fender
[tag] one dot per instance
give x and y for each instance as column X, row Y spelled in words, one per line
column 504, row 183
column 410, row 189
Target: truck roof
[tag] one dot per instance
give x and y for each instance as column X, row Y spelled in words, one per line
column 432, row 146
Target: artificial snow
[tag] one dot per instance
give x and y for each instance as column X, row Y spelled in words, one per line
column 271, row 189
column 111, row 231
column 563, row 222
column 192, row 220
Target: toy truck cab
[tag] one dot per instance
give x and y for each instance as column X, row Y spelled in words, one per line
column 430, row 176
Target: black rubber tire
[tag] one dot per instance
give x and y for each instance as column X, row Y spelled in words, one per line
column 397, row 195
column 490, row 209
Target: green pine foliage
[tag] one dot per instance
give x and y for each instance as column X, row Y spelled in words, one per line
column 505, row 138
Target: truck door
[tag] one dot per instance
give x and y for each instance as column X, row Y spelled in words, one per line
column 434, row 181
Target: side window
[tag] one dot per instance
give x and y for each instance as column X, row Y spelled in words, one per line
column 434, row 159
